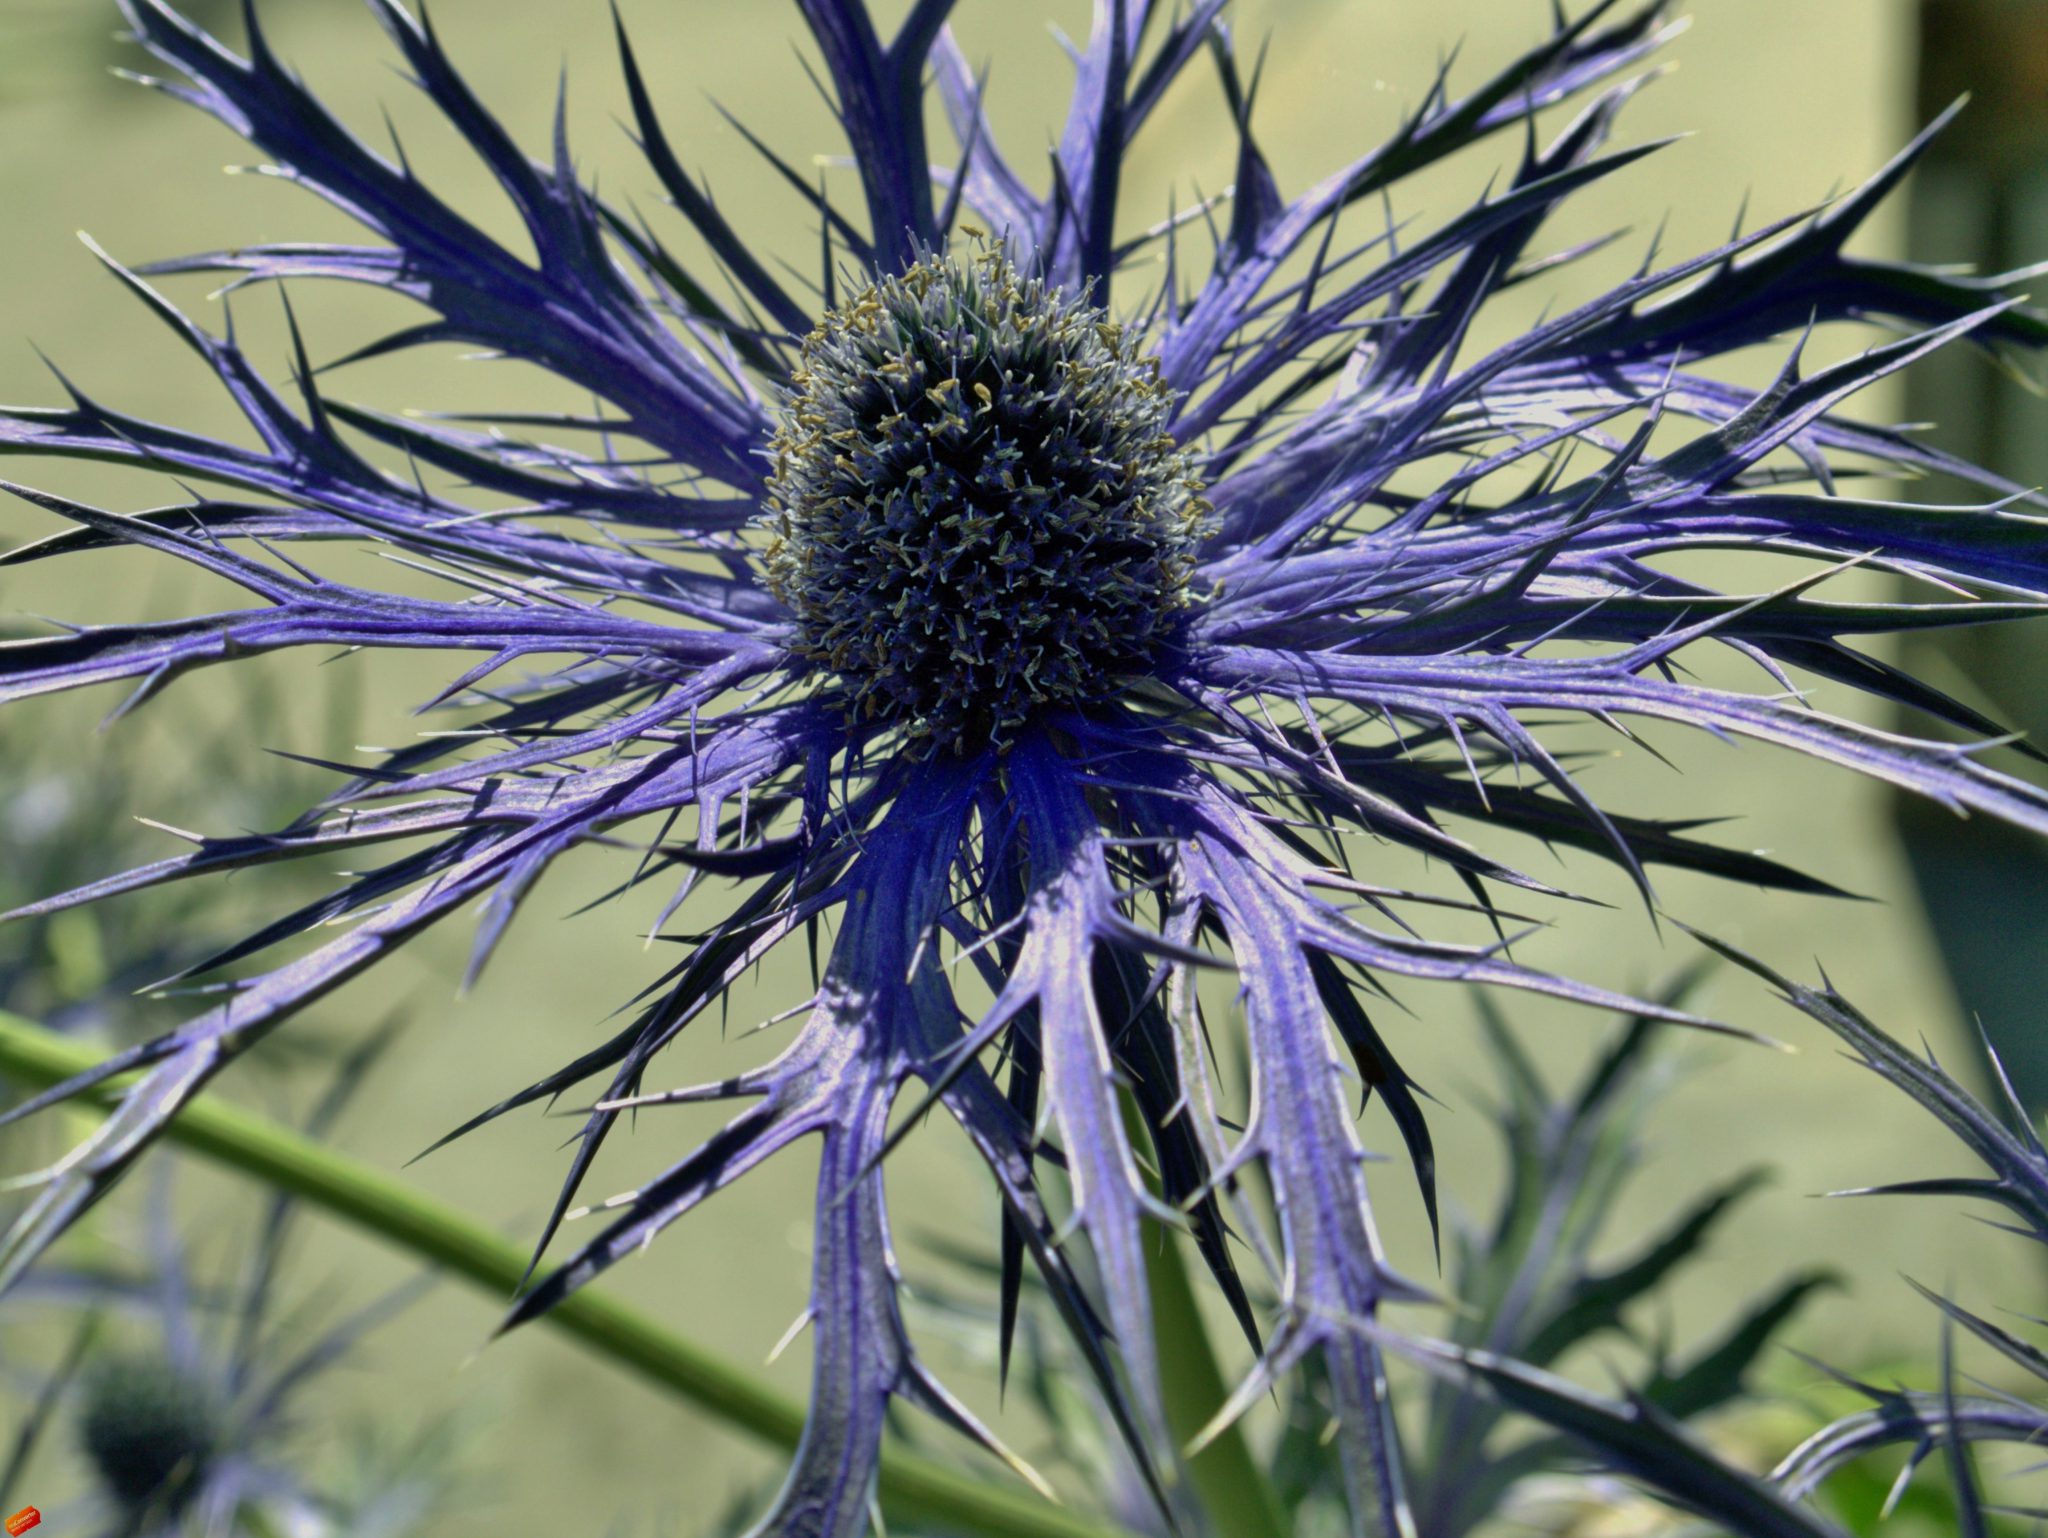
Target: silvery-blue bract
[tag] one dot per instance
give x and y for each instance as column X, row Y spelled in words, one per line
column 1114, row 574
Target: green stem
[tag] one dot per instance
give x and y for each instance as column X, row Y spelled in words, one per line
column 912, row 1488
column 1229, row 1482
column 1233, row 1488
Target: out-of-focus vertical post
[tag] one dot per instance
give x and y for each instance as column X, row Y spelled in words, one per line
column 1981, row 197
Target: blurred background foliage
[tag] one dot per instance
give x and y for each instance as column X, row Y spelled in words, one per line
column 1783, row 104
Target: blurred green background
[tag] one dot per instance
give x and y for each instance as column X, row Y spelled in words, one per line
column 1783, row 103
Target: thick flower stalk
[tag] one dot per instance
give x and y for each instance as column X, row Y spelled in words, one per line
column 1026, row 612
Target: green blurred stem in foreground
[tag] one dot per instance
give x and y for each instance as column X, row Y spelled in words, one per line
column 1233, row 1489
column 911, row 1487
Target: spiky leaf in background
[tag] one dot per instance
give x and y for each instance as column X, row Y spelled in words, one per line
column 1532, row 1290
column 1944, row 1419
column 1639, row 1435
column 1342, row 571
column 184, row 1394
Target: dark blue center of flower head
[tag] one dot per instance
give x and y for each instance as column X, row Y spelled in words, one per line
column 148, row 1431
column 978, row 510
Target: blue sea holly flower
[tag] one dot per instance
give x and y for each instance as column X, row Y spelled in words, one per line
column 1031, row 611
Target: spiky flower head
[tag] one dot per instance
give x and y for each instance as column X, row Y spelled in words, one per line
column 980, row 513
column 1032, row 800
column 149, row 1431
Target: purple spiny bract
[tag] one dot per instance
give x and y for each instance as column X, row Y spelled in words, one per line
column 1120, row 763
